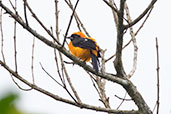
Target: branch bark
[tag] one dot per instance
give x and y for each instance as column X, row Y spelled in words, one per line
column 120, row 32
column 134, row 43
column 158, row 77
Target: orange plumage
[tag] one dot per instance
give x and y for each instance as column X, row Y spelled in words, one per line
column 84, row 48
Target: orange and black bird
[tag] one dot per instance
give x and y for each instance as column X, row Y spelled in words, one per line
column 85, row 48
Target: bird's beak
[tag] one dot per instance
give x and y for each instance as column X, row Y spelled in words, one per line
column 71, row 38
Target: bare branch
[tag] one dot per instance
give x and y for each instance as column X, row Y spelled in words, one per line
column 24, row 89
column 32, row 61
column 71, row 85
column 115, row 14
column 57, row 36
column 25, row 14
column 77, row 19
column 75, row 14
column 135, row 34
column 2, row 37
column 123, row 99
column 50, row 76
column 58, row 98
column 70, row 23
column 57, row 68
column 134, row 44
column 101, row 83
column 38, row 20
column 111, row 6
column 12, row 4
column 119, row 43
column 61, row 58
column 64, row 86
column 158, row 77
column 141, row 15
column 15, row 45
column 144, row 21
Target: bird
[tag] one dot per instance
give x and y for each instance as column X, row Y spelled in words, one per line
column 85, row 48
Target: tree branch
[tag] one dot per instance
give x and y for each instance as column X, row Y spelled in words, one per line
column 141, row 15
column 111, row 6
column 38, row 20
column 135, row 33
column 70, row 23
column 58, row 98
column 158, row 79
column 78, row 20
column 2, row 37
column 120, row 31
column 61, row 58
column 133, row 39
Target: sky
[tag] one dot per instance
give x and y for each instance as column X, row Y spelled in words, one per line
column 98, row 20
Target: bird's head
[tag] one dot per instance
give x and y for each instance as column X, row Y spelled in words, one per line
column 76, row 35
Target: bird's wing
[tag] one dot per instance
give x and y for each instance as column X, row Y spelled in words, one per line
column 85, row 43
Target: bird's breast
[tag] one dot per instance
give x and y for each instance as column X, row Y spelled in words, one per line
column 83, row 54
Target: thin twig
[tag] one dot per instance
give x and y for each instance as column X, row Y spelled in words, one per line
column 38, row 20
column 154, row 107
column 66, row 33
column 103, row 69
column 115, row 15
column 50, row 76
column 71, row 85
column 141, row 15
column 93, row 81
column 100, row 88
column 32, row 61
column 57, row 36
column 25, row 14
column 57, row 68
column 158, row 81
column 135, row 34
column 111, row 6
column 15, row 45
column 134, row 44
column 61, row 58
column 78, row 20
column 64, row 86
column 12, row 4
column 2, row 37
column 119, row 42
column 75, row 14
column 101, row 82
column 123, row 99
column 24, row 89
column 15, row 49
column 144, row 21
column 64, row 71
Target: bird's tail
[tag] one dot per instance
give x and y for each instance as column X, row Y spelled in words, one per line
column 95, row 62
